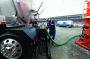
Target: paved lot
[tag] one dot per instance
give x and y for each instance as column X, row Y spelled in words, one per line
column 68, row 51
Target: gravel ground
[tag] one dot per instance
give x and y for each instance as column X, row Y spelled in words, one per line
column 70, row 50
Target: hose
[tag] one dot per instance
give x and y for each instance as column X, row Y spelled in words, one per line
column 62, row 43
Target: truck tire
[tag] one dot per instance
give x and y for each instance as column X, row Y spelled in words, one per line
column 14, row 47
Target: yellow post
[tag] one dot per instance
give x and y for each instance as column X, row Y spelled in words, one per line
column 84, row 8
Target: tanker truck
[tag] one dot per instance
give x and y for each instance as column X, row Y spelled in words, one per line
column 19, row 39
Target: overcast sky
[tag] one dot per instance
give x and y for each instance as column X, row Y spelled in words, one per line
column 59, row 7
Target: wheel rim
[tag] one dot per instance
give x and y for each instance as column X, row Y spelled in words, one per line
column 10, row 48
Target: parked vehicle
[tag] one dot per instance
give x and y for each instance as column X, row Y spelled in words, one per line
column 67, row 23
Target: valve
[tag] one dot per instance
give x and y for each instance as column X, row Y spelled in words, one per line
column 85, row 27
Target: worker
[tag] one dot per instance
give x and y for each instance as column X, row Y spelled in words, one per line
column 51, row 27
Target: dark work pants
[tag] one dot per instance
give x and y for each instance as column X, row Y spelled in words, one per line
column 52, row 33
